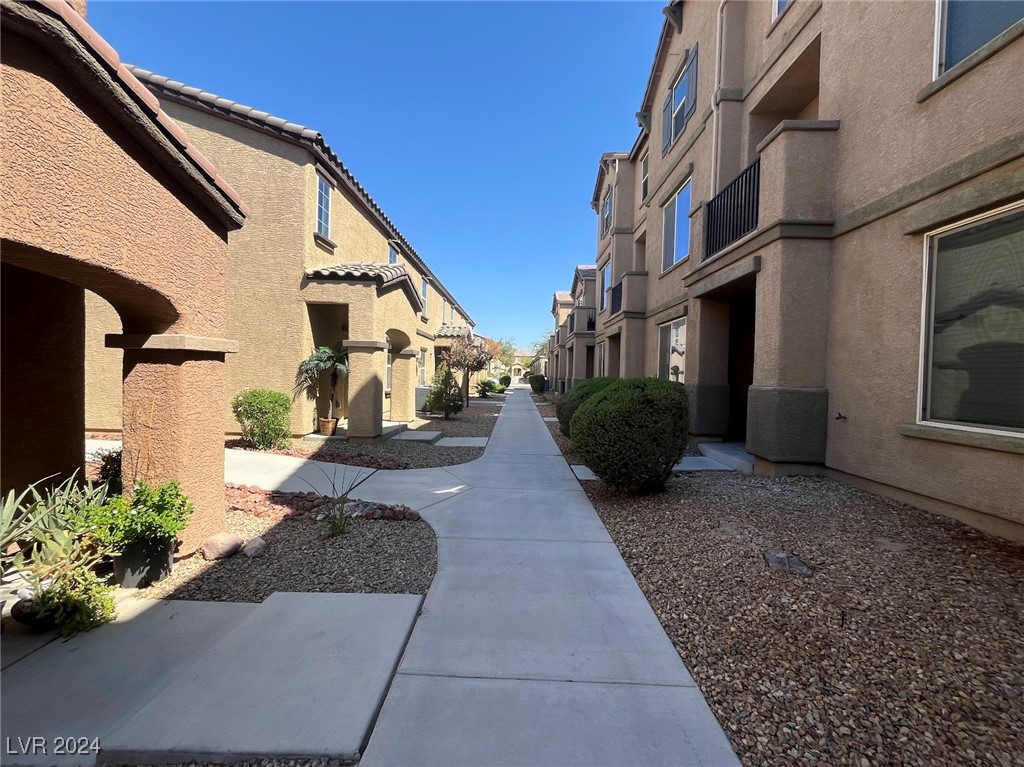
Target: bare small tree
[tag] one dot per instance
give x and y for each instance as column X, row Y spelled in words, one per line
column 467, row 356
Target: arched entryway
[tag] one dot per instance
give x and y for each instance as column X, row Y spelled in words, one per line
column 400, row 377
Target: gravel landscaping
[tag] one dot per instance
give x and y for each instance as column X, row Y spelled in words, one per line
column 475, row 421
column 904, row 647
column 386, row 455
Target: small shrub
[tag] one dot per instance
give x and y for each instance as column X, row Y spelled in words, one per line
column 152, row 514
column 485, row 388
column 263, row 416
column 505, row 380
column 537, row 383
column 499, row 389
column 445, row 395
column 570, row 402
column 110, row 469
column 632, row 432
column 77, row 600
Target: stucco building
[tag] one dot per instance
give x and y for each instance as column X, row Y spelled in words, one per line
column 104, row 195
column 318, row 264
column 820, row 230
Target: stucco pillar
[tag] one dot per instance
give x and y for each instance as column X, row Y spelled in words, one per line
column 707, row 366
column 579, row 362
column 631, row 352
column 173, row 430
column 42, row 377
column 366, row 370
column 403, row 385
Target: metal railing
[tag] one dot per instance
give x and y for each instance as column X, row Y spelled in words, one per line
column 733, row 212
column 616, row 299
column 587, row 320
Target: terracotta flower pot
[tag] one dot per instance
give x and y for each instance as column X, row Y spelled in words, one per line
column 328, row 426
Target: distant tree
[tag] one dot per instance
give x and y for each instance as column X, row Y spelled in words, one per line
column 507, row 355
column 494, row 347
column 467, row 356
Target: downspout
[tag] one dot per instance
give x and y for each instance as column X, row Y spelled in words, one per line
column 716, row 130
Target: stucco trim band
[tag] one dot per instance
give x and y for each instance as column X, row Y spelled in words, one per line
column 364, row 346
column 984, row 53
column 796, row 230
column 170, row 342
column 963, row 203
column 425, row 334
column 725, row 276
column 796, row 125
column 967, row 438
column 787, row 424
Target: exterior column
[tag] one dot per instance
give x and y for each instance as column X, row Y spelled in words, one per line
column 366, row 370
column 171, row 430
column 707, row 366
column 579, row 362
column 43, row 378
column 403, row 385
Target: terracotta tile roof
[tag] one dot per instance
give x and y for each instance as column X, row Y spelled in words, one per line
column 121, row 75
column 452, row 331
column 385, row 275
column 312, row 139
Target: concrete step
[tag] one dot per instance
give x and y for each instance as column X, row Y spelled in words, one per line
column 410, row 435
column 303, row 675
column 700, row 463
column 733, row 454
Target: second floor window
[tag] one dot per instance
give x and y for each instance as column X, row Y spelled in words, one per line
column 423, row 293
column 778, row 6
column 606, row 283
column 323, row 207
column 392, row 255
column 421, row 368
column 675, row 244
column 966, row 25
column 645, row 173
column 606, row 213
column 681, row 102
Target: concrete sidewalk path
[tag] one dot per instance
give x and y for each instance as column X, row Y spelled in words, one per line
column 535, row 646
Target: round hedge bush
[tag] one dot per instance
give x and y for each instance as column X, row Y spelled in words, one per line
column 632, row 432
column 263, row 416
column 537, row 383
column 505, row 380
column 570, row 402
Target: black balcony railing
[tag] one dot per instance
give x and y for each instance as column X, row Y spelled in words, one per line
column 733, row 211
column 582, row 320
column 616, row 299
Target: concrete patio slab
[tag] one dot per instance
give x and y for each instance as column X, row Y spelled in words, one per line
column 19, row 642
column 416, row 488
column 531, row 610
column 550, row 419
column 518, row 514
column 517, row 723
column 284, row 472
column 462, row 442
column 417, row 436
column 302, row 675
column 733, row 454
column 88, row 684
column 583, row 472
column 700, row 463
column 506, row 471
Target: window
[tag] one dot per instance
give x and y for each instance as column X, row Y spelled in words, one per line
column 672, row 351
column 387, row 382
column 606, row 283
column 778, row 6
column 392, row 255
column 323, row 207
column 675, row 245
column 421, row 367
column 606, row 213
column 645, row 172
column 972, row 365
column 601, row 359
column 423, row 291
column 681, row 102
column 964, row 26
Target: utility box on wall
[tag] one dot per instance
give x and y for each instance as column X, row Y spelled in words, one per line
column 422, row 392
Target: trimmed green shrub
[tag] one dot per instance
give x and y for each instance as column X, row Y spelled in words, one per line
column 537, row 383
column 263, row 416
column 445, row 395
column 485, row 388
column 110, row 469
column 570, row 402
column 152, row 514
column 505, row 380
column 632, row 432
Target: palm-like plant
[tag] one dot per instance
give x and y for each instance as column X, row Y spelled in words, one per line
column 323, row 360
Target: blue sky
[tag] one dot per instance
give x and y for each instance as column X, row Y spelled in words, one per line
column 477, row 126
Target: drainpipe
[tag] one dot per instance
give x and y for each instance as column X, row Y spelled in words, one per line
column 716, row 130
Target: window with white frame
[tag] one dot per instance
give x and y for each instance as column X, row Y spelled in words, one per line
column 681, row 102
column 606, row 283
column 392, row 255
column 964, row 26
column 672, row 350
column 421, row 367
column 972, row 361
column 387, row 363
column 675, row 244
column 606, row 213
column 423, row 292
column 323, row 207
column 645, row 172
column 601, row 358
column 778, row 6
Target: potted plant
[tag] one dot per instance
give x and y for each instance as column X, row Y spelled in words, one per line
column 141, row 531
column 323, row 361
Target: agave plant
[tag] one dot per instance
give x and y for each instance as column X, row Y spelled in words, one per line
column 323, row 360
